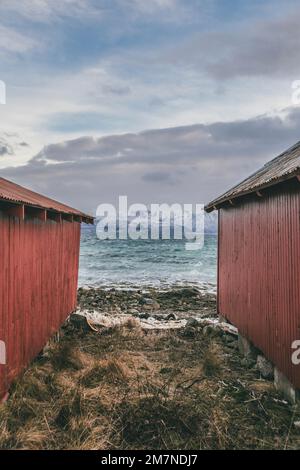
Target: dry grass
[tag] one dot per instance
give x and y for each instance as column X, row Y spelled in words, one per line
column 131, row 390
column 212, row 360
column 112, row 372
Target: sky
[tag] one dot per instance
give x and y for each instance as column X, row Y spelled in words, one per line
column 160, row 100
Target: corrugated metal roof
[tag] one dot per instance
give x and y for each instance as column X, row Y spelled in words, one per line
column 13, row 192
column 281, row 168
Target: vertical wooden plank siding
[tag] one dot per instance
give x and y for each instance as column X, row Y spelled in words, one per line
column 38, row 286
column 259, row 274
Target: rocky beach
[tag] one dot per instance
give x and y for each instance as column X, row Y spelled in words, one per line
column 163, row 308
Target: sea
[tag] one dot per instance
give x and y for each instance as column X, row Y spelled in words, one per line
column 146, row 263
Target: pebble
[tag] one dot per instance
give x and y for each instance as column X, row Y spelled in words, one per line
column 192, row 322
column 171, row 316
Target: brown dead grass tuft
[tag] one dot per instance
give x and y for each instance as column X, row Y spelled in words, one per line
column 32, row 437
column 111, row 371
column 133, row 324
column 65, row 356
column 212, row 360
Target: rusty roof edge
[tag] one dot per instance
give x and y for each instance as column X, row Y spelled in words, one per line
column 71, row 211
column 64, row 209
column 283, row 167
column 217, row 202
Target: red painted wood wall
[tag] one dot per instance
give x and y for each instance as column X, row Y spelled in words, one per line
column 259, row 273
column 38, row 286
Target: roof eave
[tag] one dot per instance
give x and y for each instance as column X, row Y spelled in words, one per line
column 76, row 216
column 217, row 203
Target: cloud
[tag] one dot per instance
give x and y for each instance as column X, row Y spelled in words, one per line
column 9, row 144
column 161, row 177
column 187, row 163
column 186, row 144
column 47, row 10
column 152, row 6
column 116, row 90
column 4, row 150
column 267, row 47
column 13, row 41
column 18, row 32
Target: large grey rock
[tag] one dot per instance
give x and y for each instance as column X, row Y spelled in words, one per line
column 284, row 386
column 246, row 348
column 79, row 321
column 265, row 367
column 189, row 332
column 208, row 330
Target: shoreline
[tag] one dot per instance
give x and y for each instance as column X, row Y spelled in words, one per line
column 205, row 287
column 136, row 299
column 151, row 308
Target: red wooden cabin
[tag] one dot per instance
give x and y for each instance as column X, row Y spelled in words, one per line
column 39, row 256
column 259, row 259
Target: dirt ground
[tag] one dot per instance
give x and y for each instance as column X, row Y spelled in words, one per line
column 125, row 387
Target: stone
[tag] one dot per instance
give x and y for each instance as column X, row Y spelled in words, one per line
column 245, row 347
column 232, row 345
column 144, row 315
column 152, row 306
column 189, row 332
column 207, row 330
column 147, row 301
column 79, row 321
column 265, row 367
column 230, row 339
column 248, row 362
column 218, row 330
column 283, row 385
column 222, row 319
column 166, row 370
column 171, row 316
column 158, row 317
column 192, row 322
column 133, row 311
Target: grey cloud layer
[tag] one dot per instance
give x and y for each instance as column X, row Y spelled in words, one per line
column 188, row 164
column 9, row 143
column 262, row 48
